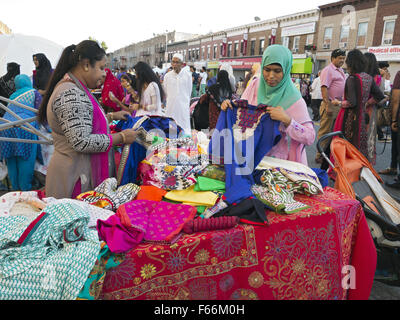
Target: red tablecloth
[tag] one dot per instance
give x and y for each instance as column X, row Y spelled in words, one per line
column 300, row 256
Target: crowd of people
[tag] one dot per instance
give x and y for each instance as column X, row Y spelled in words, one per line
column 80, row 98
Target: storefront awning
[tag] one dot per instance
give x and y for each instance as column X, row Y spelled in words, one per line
column 302, row 66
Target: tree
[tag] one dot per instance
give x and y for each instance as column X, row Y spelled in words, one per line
column 102, row 44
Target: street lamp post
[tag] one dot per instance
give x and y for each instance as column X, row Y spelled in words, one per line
column 166, row 46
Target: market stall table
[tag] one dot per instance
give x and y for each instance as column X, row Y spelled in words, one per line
column 301, row 256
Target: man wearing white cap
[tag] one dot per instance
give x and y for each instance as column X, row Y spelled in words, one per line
column 178, row 88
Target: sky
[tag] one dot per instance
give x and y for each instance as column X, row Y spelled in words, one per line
column 123, row 22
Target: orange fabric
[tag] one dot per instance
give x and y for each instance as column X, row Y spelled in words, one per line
column 348, row 164
column 371, row 203
column 150, row 193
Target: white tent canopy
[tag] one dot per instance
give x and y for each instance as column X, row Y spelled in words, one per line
column 20, row 48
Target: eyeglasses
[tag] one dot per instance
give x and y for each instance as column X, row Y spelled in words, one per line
column 176, row 62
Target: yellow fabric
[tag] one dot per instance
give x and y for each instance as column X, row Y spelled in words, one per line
column 193, row 198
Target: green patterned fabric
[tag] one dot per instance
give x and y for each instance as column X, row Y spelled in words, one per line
column 49, row 258
column 277, row 193
column 105, row 261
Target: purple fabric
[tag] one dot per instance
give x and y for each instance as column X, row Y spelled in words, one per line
column 119, row 238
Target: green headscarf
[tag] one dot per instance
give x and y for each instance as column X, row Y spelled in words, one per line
column 285, row 94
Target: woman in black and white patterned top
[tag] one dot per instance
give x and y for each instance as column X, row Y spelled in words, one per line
column 79, row 125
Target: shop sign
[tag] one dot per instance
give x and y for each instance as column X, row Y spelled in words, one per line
column 242, row 64
column 298, row 29
column 213, row 65
column 391, row 53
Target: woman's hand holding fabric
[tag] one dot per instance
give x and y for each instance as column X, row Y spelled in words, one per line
column 225, row 105
column 279, row 114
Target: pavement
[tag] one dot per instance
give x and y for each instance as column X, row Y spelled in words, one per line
column 380, row 290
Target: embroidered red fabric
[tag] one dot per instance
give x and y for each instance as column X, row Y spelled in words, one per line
column 299, row 256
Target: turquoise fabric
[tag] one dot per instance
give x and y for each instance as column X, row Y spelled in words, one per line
column 52, row 260
column 106, row 260
column 285, row 94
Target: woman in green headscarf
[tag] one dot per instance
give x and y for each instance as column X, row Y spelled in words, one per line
column 276, row 89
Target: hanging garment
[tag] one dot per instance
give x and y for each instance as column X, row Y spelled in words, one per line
column 242, row 138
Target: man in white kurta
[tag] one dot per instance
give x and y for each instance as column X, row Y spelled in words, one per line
column 178, row 89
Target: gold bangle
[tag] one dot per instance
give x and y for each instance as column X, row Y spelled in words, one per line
column 123, row 137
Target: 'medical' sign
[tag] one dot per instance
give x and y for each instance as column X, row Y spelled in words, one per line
column 391, row 53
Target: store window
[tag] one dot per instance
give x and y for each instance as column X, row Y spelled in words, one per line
column 328, row 38
column 285, row 42
column 362, row 34
column 253, row 47
column 296, row 44
column 388, row 31
column 229, row 50
column 261, row 49
column 309, row 40
column 344, row 36
column 236, row 49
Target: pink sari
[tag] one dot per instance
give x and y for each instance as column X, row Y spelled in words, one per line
column 99, row 161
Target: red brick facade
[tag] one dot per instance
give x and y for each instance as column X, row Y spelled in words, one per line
column 387, row 8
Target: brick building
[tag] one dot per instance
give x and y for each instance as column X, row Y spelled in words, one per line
column 299, row 33
column 347, row 25
column 386, row 36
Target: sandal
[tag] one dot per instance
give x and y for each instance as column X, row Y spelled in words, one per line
column 389, row 172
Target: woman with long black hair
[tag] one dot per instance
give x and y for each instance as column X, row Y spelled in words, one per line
column 7, row 84
column 358, row 120
column 149, row 90
column 81, row 159
column 42, row 73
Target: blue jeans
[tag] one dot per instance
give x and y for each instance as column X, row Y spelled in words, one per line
column 20, row 171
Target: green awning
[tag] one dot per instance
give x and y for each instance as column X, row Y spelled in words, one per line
column 302, row 66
